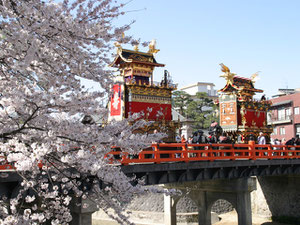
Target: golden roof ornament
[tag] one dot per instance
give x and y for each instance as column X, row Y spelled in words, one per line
column 136, row 47
column 118, row 46
column 254, row 77
column 227, row 74
column 152, row 47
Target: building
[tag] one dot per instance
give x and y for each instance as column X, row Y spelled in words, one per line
column 284, row 116
column 286, row 91
column 201, row 87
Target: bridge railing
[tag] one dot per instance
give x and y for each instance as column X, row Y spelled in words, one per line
column 178, row 152
column 4, row 165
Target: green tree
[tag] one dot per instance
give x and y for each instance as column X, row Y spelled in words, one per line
column 201, row 110
column 181, row 100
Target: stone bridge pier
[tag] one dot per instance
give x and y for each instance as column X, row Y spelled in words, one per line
column 205, row 193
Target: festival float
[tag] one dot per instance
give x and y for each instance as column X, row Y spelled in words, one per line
column 135, row 91
column 241, row 116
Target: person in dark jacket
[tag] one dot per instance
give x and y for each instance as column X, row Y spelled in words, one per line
column 212, row 139
column 297, row 143
column 297, row 140
column 290, row 142
column 215, row 128
column 201, row 139
column 195, row 140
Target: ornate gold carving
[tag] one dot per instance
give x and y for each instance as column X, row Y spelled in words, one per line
column 118, row 45
column 141, row 67
column 140, row 58
column 224, row 68
column 227, row 74
column 244, row 121
column 243, row 111
column 152, row 47
column 150, row 91
column 136, row 48
column 254, row 77
column 150, row 99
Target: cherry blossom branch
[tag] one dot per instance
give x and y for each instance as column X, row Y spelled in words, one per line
column 5, row 135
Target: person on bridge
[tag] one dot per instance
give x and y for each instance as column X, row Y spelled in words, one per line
column 178, row 138
column 215, row 128
column 190, row 141
column 183, row 140
column 195, row 139
column 224, row 139
column 297, row 140
column 283, row 141
column 290, row 141
column 297, row 143
column 261, row 140
column 201, row 139
column 212, row 139
column 276, row 142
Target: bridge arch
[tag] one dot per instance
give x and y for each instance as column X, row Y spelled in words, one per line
column 222, row 206
column 206, row 193
column 186, row 209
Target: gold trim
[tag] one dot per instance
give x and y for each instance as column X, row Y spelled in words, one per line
column 227, row 74
column 150, row 99
column 150, row 91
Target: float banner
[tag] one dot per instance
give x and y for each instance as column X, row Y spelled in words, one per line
column 115, row 101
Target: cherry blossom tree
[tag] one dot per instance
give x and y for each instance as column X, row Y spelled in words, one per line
column 46, row 49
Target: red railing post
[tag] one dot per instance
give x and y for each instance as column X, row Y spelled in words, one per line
column 185, row 153
column 124, row 159
column 269, row 151
column 232, row 152
column 252, row 154
column 141, row 155
column 156, row 153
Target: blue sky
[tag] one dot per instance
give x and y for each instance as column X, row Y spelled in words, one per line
column 195, row 36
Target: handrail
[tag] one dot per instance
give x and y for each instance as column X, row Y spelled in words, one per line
column 182, row 152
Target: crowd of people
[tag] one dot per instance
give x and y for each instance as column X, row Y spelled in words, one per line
column 199, row 137
column 293, row 141
column 216, row 135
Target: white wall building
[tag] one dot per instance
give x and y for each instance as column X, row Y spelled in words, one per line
column 201, row 87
